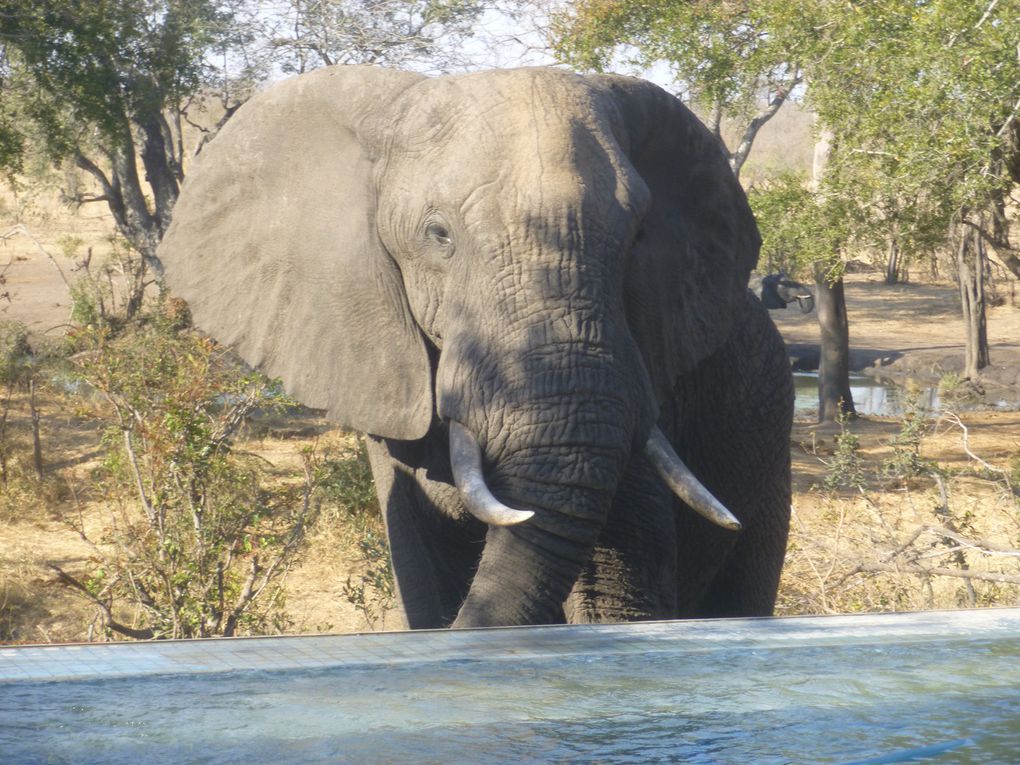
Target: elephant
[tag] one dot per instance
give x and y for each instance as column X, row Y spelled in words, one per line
column 528, row 289
column 776, row 290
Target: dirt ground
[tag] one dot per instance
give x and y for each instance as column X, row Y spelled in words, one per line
column 910, row 332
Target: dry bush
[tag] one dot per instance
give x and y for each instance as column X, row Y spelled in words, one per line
column 906, row 532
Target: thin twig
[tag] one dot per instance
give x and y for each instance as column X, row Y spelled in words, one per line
column 986, row 576
column 22, row 229
column 954, row 419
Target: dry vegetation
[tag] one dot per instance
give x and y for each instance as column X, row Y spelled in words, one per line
column 905, row 515
column 886, row 515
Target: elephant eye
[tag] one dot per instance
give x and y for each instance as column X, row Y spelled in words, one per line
column 438, row 233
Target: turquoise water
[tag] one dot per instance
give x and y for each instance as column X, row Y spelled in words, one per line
column 878, row 698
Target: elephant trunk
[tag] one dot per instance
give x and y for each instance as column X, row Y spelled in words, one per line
column 527, row 570
column 554, row 446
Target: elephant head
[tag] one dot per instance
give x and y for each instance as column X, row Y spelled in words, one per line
column 528, row 259
column 778, row 291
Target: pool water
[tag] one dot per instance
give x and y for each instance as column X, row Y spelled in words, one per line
column 942, row 688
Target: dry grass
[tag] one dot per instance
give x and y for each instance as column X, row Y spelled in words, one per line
column 948, row 537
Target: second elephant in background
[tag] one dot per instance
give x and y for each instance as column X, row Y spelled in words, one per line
column 777, row 291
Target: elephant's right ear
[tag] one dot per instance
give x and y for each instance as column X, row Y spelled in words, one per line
column 274, row 246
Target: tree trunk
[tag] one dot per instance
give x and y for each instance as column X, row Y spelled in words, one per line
column 834, row 397
column 970, row 262
column 892, row 265
column 37, row 458
column 160, row 170
column 141, row 226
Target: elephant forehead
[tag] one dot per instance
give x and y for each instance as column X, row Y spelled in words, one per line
column 540, row 136
column 539, row 111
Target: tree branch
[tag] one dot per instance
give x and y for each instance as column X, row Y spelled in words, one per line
column 743, row 149
column 113, row 624
column 914, row 569
column 23, row 230
column 150, row 511
column 86, row 164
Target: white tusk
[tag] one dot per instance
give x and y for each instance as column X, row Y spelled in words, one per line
column 466, row 461
column 681, row 480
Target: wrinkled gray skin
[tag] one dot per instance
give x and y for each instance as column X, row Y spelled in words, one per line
column 777, row 291
column 559, row 263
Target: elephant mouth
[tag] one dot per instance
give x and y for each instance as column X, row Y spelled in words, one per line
column 466, row 461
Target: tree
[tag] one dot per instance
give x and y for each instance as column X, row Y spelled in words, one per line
column 420, row 34
column 103, row 85
column 803, row 230
column 925, row 97
column 109, row 84
column 724, row 56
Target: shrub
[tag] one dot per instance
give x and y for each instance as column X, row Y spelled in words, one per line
column 17, row 373
column 915, row 425
column 14, row 351
column 200, row 540
column 845, row 469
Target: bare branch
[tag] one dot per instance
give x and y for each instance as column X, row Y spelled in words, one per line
column 781, row 94
column 982, row 546
column 150, row 511
column 913, row 569
column 954, row 419
column 113, row 624
column 23, row 231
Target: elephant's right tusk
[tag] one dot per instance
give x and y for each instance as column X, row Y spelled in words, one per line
column 681, row 480
column 466, row 461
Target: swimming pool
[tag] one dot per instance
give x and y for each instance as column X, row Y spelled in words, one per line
column 874, row 689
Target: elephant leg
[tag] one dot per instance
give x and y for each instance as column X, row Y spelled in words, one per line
column 632, row 572
column 434, row 544
column 732, row 420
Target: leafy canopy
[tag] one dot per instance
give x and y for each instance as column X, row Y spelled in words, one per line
column 924, row 98
column 420, row 34
column 80, row 69
column 722, row 53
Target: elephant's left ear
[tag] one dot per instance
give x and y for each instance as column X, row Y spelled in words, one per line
column 274, row 246
column 687, row 281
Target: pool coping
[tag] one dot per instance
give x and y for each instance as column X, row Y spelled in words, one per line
column 84, row 661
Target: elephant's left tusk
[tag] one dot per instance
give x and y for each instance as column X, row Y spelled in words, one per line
column 681, row 480
column 466, row 461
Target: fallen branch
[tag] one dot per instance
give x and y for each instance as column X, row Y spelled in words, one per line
column 981, row 545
